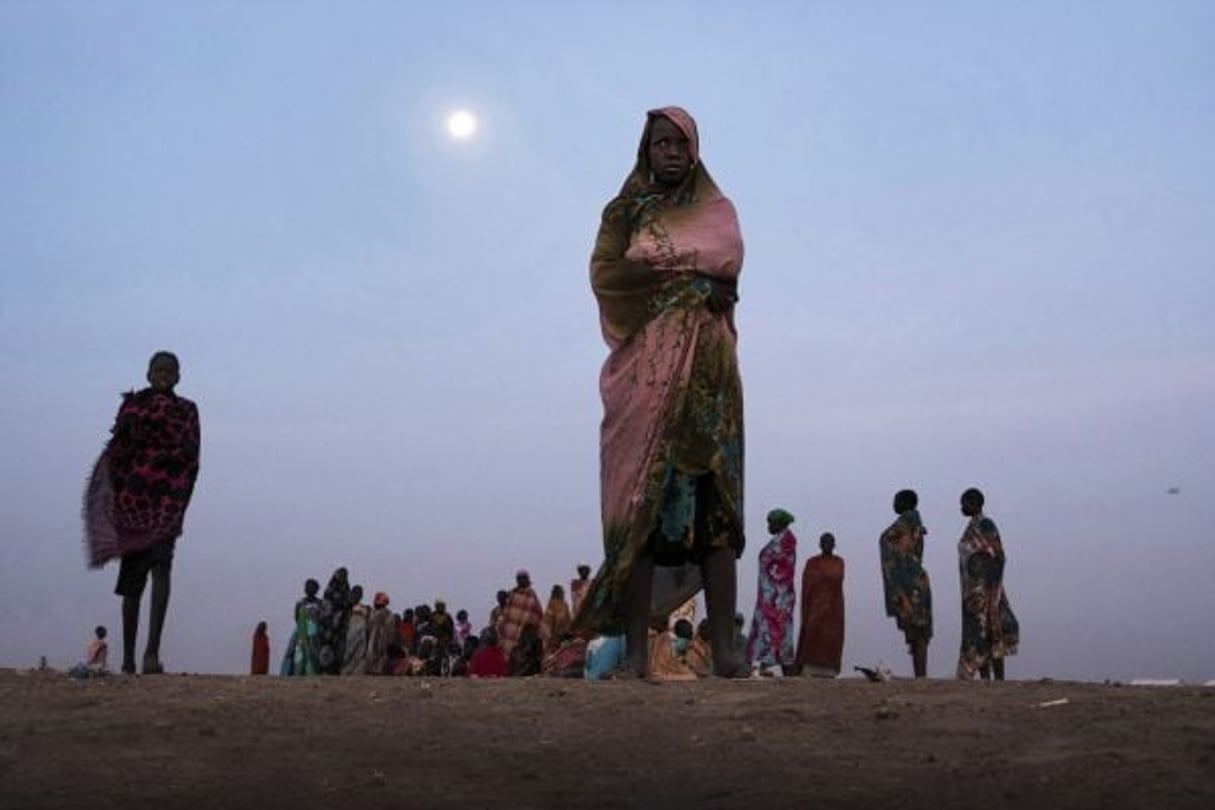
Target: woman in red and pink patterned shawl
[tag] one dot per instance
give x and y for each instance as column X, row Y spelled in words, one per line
column 137, row 497
column 770, row 643
column 664, row 271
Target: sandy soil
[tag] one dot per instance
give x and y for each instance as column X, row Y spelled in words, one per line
column 213, row 741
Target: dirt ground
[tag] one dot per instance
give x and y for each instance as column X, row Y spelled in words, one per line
column 235, row 742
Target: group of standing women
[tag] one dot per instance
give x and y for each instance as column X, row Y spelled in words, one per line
column 990, row 632
column 337, row 634
column 664, row 271
column 820, row 642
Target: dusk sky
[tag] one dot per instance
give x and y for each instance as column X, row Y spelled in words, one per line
column 980, row 252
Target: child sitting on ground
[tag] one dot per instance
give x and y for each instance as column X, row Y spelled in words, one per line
column 94, row 665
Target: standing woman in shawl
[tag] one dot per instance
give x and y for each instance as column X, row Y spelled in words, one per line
column 335, row 613
column 904, row 580
column 771, row 640
column 820, row 648
column 304, row 645
column 990, row 631
column 354, row 656
column 381, row 632
column 556, row 622
column 260, row 662
column 137, row 497
column 665, row 272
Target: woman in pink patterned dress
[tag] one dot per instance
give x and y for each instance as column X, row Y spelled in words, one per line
column 770, row 643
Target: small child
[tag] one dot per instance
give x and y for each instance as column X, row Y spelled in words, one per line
column 94, row 657
column 98, row 649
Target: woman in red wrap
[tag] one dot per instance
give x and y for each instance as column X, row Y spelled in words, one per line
column 664, row 271
column 820, row 647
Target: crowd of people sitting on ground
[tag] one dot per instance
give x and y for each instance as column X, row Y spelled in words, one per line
column 337, row 633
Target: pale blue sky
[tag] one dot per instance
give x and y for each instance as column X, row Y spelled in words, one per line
column 979, row 252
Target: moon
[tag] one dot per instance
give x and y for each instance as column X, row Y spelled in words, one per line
column 461, row 125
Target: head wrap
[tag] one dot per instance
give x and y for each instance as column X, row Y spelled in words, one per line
column 683, row 121
column 381, row 599
column 641, row 195
column 780, row 518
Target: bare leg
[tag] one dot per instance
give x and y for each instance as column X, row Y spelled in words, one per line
column 637, row 634
column 130, row 627
column 997, row 667
column 156, row 619
column 919, row 658
column 721, row 586
column 985, row 672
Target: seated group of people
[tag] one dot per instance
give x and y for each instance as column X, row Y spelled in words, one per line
column 337, row 634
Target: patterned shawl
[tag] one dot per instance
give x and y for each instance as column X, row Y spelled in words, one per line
column 989, row 627
column 141, row 484
column 904, row 580
column 655, row 259
column 771, row 639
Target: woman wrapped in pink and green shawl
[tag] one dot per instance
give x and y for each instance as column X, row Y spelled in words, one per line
column 664, row 271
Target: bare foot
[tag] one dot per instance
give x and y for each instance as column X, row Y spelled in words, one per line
column 151, row 665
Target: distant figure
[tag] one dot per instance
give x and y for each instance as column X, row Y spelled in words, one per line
column 459, row 668
column 528, row 652
column 335, row 613
column 556, row 620
column 820, row 648
column 442, row 626
column 578, row 588
column 770, row 643
column 429, row 660
column 667, row 650
column 421, row 624
column 354, row 660
column 96, row 654
column 495, row 615
column 305, row 641
column 908, row 592
column 463, row 628
column 94, row 664
column 260, row 663
column 381, row 633
column 407, row 630
column 522, row 610
column 990, row 632
column 137, row 497
column 489, row 661
column 664, row 271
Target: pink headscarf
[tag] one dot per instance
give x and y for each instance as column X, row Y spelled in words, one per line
column 680, row 118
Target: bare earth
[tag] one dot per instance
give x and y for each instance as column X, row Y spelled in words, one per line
column 234, row 742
